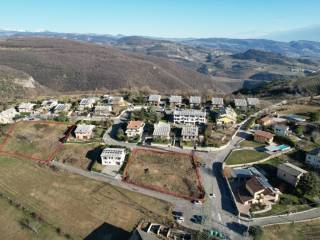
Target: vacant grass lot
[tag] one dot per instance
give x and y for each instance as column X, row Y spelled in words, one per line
column 35, row 139
column 247, row 143
column 245, row 156
column 172, row 172
column 79, row 155
column 75, row 204
column 298, row 231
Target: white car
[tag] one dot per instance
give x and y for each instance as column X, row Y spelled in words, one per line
column 197, row 202
column 179, row 219
column 212, row 195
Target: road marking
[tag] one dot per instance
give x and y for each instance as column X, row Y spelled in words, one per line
column 239, row 221
column 219, row 216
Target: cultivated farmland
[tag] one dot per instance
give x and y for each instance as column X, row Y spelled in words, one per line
column 75, row 204
column 169, row 172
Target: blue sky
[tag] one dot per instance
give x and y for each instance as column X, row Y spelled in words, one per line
column 162, row 18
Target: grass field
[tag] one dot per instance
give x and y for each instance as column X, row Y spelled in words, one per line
column 73, row 203
column 298, row 109
column 298, row 231
column 35, row 139
column 168, row 171
column 79, row 155
column 247, row 143
column 245, row 156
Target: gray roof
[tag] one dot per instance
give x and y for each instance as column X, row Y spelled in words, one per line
column 82, row 128
column 253, row 101
column 175, row 99
column 154, row 98
column 62, row 107
column 291, row 169
column 315, row 152
column 240, row 103
column 161, row 129
column 113, row 152
column 189, row 112
column 189, row 131
column 87, row 101
column 217, row 101
column 195, row 100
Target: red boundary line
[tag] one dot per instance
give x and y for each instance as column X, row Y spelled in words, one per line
column 126, row 177
column 51, row 156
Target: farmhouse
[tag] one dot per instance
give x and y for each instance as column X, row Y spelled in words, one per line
column 49, row 104
column 175, row 101
column 8, row 115
column 240, row 103
column 26, row 107
column 313, row 158
column 188, row 116
column 162, row 131
column 102, row 110
column 226, row 116
column 62, row 107
column 189, row 133
column 113, row 156
column 290, row 173
column 263, row 137
column 195, row 101
column 86, row 103
column 84, row 132
column 217, row 102
column 154, row 100
column 134, row 128
column 253, row 102
column 281, row 130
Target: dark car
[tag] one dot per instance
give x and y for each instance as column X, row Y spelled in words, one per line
column 198, row 219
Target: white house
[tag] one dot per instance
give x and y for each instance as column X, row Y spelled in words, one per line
column 162, row 131
column 135, row 128
column 84, row 132
column 86, row 103
column 240, row 103
column 281, row 130
column 26, row 107
column 113, row 156
column 217, row 102
column 49, row 104
column 226, row 116
column 195, row 101
column 116, row 100
column 175, row 101
column 189, row 116
column 154, row 100
column 253, row 102
column 8, row 115
column 313, row 158
column 102, row 110
column 62, row 107
column 189, row 133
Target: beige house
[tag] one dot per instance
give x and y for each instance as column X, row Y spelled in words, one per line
column 8, row 115
column 135, row 128
column 175, row 101
column 84, row 132
column 189, row 133
column 263, row 137
column 162, row 131
column 26, row 107
column 154, row 100
column 290, row 173
column 226, row 116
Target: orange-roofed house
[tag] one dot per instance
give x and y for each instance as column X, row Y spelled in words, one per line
column 263, row 137
column 134, row 128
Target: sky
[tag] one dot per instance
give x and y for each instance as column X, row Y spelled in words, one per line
column 162, row 18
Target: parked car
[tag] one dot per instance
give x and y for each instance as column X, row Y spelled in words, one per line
column 197, row 202
column 212, row 195
column 198, row 219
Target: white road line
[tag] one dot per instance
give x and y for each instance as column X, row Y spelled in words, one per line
column 219, row 217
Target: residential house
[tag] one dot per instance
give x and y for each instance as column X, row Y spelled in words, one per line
column 162, row 131
column 8, row 115
column 62, row 107
column 154, row 100
column 26, row 107
column 86, row 103
column 261, row 191
column 195, row 101
column 226, row 116
column 253, row 102
column 102, row 110
column 134, row 129
column 189, row 116
column 113, row 156
column 49, row 104
column 217, row 102
column 175, row 101
column 116, row 100
column 290, row 173
column 84, row 132
column 281, row 130
column 313, row 158
column 240, row 103
column 265, row 121
column 263, row 137
column 189, row 133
